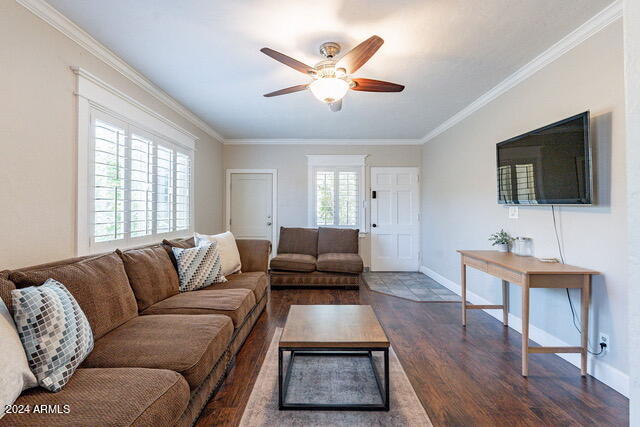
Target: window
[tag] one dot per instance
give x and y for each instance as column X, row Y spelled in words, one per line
column 140, row 185
column 135, row 171
column 336, row 191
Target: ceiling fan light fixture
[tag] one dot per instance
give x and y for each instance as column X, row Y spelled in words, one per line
column 329, row 89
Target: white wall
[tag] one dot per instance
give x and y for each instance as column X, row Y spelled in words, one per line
column 38, row 140
column 291, row 163
column 460, row 208
column 632, row 80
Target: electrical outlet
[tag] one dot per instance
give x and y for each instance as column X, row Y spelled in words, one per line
column 513, row 212
column 604, row 338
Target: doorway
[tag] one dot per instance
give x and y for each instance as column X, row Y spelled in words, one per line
column 251, row 203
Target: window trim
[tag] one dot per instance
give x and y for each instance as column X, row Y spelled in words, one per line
column 336, row 161
column 94, row 96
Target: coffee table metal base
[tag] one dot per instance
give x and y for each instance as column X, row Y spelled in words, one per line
column 284, row 377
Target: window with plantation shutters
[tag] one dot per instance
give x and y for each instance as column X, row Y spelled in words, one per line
column 336, row 191
column 140, row 185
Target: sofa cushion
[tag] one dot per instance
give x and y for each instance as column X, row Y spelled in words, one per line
column 340, row 263
column 109, row 397
column 235, row 303
column 254, row 254
column 99, row 284
column 6, row 286
column 151, row 274
column 189, row 345
column 255, row 281
column 294, row 262
column 337, row 240
column 54, row 331
column 177, row 243
column 298, row 241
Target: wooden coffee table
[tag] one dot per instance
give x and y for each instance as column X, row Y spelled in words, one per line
column 333, row 330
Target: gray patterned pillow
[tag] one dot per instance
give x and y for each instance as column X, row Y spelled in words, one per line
column 199, row 267
column 54, row 331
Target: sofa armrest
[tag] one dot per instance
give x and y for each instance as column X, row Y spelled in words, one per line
column 254, row 254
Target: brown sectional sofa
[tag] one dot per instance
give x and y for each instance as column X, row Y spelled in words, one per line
column 159, row 354
column 317, row 257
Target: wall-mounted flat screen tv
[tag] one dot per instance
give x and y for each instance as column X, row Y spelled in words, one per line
column 547, row 166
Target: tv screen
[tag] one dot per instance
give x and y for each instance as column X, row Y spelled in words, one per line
column 547, row 166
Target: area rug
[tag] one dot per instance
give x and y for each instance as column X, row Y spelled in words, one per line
column 412, row 286
column 331, row 379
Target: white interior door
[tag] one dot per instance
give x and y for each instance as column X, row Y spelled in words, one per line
column 395, row 220
column 251, row 205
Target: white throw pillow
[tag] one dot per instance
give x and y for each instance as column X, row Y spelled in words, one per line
column 15, row 375
column 227, row 247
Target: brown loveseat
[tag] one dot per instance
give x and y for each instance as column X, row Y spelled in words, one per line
column 159, row 355
column 317, row 257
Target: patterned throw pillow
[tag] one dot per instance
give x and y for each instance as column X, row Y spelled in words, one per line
column 54, row 331
column 199, row 267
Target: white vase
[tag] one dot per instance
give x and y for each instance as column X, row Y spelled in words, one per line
column 504, row 247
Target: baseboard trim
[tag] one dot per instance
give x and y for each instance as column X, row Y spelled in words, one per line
column 600, row 370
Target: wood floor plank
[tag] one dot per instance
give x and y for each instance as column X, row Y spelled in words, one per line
column 462, row 376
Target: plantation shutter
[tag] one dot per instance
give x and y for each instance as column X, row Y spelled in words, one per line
column 337, row 197
column 140, row 185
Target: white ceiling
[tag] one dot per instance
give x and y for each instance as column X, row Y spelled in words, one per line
column 205, row 53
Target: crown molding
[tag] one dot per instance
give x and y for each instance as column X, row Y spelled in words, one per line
column 598, row 22
column 57, row 20
column 308, row 141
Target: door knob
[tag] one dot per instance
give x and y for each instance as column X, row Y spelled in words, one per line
column 373, row 225
column 268, row 223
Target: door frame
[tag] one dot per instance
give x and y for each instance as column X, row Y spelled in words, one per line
column 370, row 189
column 274, row 200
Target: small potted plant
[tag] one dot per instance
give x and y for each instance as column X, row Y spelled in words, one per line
column 502, row 240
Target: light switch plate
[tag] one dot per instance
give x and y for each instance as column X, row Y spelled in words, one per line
column 513, row 212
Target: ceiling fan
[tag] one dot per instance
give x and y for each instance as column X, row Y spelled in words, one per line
column 333, row 78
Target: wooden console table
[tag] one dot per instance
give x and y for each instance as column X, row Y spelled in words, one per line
column 529, row 272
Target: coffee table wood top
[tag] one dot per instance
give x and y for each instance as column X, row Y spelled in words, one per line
column 339, row 326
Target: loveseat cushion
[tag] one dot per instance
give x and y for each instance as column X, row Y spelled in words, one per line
column 298, row 241
column 189, row 345
column 109, row 397
column 99, row 284
column 337, row 240
column 340, row 263
column 294, row 262
column 255, row 281
column 235, row 303
column 151, row 274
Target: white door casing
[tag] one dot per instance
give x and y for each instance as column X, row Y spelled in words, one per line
column 395, row 219
column 251, row 204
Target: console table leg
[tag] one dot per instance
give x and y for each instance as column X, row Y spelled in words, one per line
column 505, row 303
column 525, row 327
column 586, row 296
column 463, row 286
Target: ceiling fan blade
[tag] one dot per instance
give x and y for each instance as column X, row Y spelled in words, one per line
column 370, row 85
column 288, row 61
column 336, row 106
column 287, row 90
column 360, row 54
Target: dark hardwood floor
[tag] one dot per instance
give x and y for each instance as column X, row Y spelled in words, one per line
column 463, row 377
